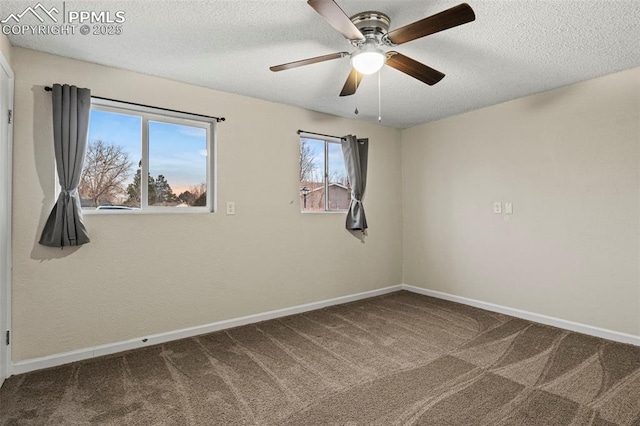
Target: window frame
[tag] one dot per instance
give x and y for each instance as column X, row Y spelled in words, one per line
column 327, row 140
column 146, row 115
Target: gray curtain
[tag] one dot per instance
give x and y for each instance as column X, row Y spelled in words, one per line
column 71, row 109
column 355, row 152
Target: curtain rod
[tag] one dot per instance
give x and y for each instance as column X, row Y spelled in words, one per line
column 319, row 134
column 218, row 119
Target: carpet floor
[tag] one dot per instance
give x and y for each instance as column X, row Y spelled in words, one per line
column 397, row 359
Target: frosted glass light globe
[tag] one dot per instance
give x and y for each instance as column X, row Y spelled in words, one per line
column 368, row 60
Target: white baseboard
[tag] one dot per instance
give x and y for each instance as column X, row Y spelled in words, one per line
column 111, row 348
column 531, row 316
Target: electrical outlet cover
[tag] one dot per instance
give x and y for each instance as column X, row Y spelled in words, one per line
column 508, row 208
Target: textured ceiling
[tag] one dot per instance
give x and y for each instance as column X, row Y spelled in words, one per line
column 513, row 48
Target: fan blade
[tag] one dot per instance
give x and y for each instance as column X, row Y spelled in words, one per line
column 308, row 61
column 413, row 68
column 457, row 15
column 330, row 11
column 352, row 83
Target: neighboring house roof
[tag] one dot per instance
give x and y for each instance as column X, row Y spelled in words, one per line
column 311, row 185
column 316, row 186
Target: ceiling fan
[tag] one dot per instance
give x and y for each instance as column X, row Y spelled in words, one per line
column 369, row 32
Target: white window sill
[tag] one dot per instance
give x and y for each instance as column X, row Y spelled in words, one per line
column 167, row 210
column 324, row 212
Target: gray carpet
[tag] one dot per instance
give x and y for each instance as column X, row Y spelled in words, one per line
column 398, row 359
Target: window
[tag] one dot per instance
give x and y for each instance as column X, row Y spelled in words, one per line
column 172, row 150
column 324, row 185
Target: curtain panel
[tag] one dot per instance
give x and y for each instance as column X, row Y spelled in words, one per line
column 355, row 152
column 71, row 109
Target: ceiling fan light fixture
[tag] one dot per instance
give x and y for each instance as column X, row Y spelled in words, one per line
column 368, row 60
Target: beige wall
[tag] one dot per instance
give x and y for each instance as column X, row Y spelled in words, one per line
column 153, row 273
column 5, row 47
column 568, row 160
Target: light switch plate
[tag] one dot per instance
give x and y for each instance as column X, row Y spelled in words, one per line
column 231, row 207
column 497, row 207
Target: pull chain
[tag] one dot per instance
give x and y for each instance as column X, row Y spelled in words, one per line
column 379, row 99
column 356, row 92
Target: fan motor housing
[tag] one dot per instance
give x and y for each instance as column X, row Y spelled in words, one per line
column 372, row 24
